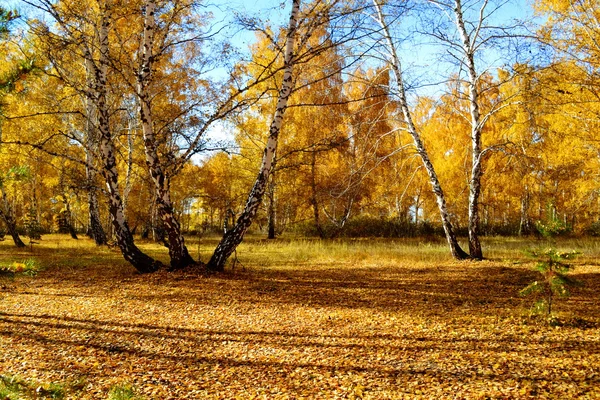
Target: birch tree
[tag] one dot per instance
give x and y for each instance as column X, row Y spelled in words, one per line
column 178, row 252
column 234, row 237
column 477, row 40
column 194, row 104
column 6, row 85
column 7, row 214
column 394, row 63
column 84, row 34
column 95, row 229
column 131, row 252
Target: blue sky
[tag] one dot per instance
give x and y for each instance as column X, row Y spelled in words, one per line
column 276, row 13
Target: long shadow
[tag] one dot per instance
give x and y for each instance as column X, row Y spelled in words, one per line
column 424, row 291
column 428, row 291
column 400, row 289
column 380, row 371
column 207, row 335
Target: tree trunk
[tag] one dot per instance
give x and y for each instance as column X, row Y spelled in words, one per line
column 142, row 262
column 6, row 212
column 476, row 126
column 235, row 236
column 95, row 230
column 129, row 173
column 272, row 213
column 178, row 252
column 9, row 221
column 72, row 231
column 455, row 249
column 524, row 226
column 68, row 218
column 314, row 200
column 130, row 251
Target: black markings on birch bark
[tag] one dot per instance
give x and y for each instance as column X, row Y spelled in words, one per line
column 476, row 168
column 142, row 262
column 95, row 229
column 178, row 252
column 235, row 236
column 396, row 66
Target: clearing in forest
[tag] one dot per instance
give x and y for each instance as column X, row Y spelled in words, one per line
column 369, row 319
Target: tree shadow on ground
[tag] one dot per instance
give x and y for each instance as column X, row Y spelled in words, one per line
column 455, row 327
column 121, row 346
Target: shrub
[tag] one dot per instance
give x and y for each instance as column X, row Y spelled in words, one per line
column 27, row 267
column 12, row 387
column 125, row 392
column 594, row 229
column 553, row 267
column 365, row 226
column 552, row 227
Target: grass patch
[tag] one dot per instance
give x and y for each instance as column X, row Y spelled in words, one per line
column 28, row 267
column 123, row 392
column 15, row 388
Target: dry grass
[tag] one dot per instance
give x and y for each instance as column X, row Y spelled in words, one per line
column 372, row 319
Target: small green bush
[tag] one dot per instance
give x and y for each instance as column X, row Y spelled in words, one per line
column 27, row 267
column 552, row 227
column 33, row 229
column 15, row 388
column 553, row 267
column 124, row 392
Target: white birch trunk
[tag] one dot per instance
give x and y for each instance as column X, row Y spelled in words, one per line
column 235, row 236
column 476, row 126
column 129, row 173
column 131, row 253
column 396, row 66
column 178, row 252
column 95, row 230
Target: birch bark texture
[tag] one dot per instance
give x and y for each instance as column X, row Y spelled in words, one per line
column 234, row 237
column 95, row 229
column 87, row 36
column 395, row 65
column 142, row 262
column 468, row 48
column 178, row 252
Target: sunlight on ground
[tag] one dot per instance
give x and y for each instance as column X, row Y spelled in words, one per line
column 371, row 319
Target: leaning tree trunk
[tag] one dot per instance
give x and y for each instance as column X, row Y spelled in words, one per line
column 178, row 252
column 476, row 126
column 455, row 249
column 142, row 262
column 235, row 236
column 11, row 224
column 130, row 251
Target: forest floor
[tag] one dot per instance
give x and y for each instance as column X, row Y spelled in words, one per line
column 368, row 319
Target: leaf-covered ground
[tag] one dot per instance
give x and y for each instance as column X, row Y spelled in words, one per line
column 299, row 319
